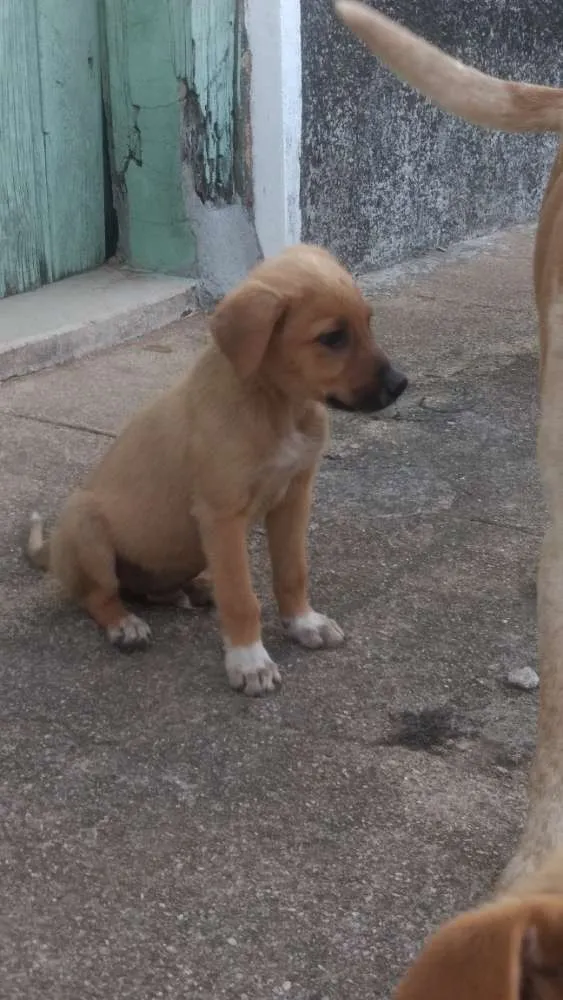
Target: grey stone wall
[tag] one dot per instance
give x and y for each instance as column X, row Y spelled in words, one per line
column 384, row 174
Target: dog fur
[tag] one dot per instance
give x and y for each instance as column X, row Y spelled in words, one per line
column 511, row 949
column 237, row 440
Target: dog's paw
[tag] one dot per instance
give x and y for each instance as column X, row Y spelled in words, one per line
column 250, row 669
column 200, row 592
column 129, row 634
column 183, row 602
column 314, row 631
column 171, row 599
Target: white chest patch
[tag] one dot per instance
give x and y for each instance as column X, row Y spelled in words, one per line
column 296, row 452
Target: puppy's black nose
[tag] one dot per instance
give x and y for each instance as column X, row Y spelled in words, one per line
column 385, row 387
column 393, row 382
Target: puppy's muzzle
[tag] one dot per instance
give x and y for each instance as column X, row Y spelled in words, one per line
column 393, row 385
column 388, row 385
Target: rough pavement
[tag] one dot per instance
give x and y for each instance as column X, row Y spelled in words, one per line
column 164, row 837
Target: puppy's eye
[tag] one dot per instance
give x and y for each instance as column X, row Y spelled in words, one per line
column 335, row 340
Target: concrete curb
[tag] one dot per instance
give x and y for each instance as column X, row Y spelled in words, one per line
column 45, row 328
column 120, row 307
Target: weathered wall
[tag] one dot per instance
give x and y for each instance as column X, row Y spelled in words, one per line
column 51, row 169
column 385, row 175
column 216, row 146
column 175, row 103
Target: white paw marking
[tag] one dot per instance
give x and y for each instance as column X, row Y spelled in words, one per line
column 250, row 669
column 130, row 633
column 314, row 631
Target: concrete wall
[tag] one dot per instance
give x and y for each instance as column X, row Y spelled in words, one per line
column 175, row 89
column 383, row 174
column 274, row 38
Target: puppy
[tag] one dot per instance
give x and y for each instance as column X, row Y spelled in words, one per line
column 511, row 949
column 237, row 440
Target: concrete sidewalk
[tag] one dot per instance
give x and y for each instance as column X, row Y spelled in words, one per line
column 164, row 837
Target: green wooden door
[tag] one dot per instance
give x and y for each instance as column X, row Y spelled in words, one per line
column 51, row 150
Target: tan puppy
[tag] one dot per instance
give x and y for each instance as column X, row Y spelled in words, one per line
column 237, row 440
column 511, row 949
column 508, row 950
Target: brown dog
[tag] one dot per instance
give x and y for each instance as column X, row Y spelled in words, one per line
column 237, row 440
column 511, row 949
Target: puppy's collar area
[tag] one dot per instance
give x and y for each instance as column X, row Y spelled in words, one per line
column 290, row 399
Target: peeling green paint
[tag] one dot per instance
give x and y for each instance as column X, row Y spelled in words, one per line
column 211, row 86
column 169, row 71
column 170, row 93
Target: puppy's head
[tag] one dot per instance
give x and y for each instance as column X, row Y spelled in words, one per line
column 505, row 951
column 300, row 322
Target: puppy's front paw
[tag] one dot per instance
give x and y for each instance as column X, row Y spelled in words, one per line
column 129, row 634
column 250, row 669
column 314, row 631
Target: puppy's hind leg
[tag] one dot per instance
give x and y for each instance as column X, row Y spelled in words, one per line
column 83, row 558
column 124, row 630
column 200, row 591
column 193, row 595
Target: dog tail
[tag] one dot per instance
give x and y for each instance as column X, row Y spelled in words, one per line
column 37, row 544
column 463, row 91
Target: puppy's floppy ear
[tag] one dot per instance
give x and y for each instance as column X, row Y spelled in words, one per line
column 507, row 951
column 243, row 323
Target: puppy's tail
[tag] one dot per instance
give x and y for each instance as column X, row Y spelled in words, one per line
column 37, row 545
column 463, row 91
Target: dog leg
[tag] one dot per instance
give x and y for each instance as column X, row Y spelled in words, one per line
column 543, row 832
column 249, row 668
column 200, row 591
column 124, row 630
column 544, row 825
column 83, row 559
column 191, row 596
column 171, row 599
column 286, row 526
